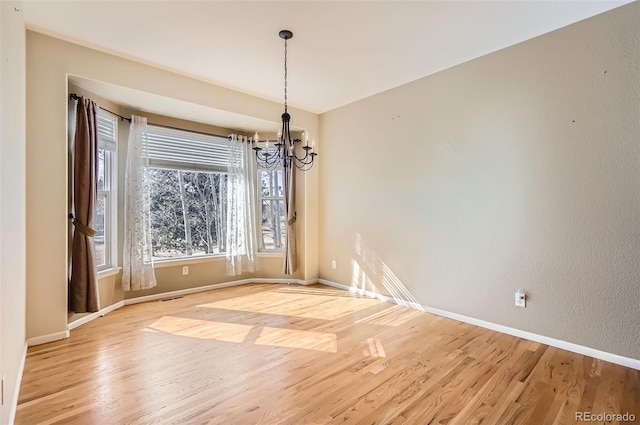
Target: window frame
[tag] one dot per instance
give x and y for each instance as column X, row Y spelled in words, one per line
column 166, row 151
column 260, row 198
column 108, row 142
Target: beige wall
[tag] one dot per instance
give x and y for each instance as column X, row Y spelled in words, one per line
column 12, row 201
column 520, row 169
column 49, row 62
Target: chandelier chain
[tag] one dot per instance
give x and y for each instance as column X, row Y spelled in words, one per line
column 285, row 75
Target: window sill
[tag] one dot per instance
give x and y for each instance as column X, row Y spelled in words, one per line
column 184, row 261
column 159, row 264
column 278, row 254
column 108, row 272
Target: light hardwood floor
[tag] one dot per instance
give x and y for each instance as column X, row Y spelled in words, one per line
column 279, row 354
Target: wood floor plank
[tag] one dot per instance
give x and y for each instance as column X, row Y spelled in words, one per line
column 280, row 354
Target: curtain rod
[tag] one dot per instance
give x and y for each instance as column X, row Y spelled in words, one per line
column 76, row 97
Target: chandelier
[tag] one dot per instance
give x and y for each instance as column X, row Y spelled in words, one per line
column 283, row 153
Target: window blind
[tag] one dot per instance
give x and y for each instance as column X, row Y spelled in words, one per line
column 107, row 130
column 184, row 150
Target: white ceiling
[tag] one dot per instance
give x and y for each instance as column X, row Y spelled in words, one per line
column 341, row 51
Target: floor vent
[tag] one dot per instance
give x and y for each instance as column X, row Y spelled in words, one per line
column 170, row 299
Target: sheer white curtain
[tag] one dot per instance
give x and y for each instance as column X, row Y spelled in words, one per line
column 137, row 262
column 241, row 240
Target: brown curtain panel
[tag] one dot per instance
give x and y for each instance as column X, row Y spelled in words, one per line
column 83, row 285
column 290, row 254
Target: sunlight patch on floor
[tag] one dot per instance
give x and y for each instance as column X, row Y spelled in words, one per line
column 312, row 306
column 374, row 348
column 238, row 333
column 202, row 329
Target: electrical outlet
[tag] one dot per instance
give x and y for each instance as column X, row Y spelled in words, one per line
column 333, row 264
column 521, row 298
column 185, row 270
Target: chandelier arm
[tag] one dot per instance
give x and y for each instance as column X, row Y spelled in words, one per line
column 301, row 159
column 266, row 158
column 306, row 161
column 268, row 165
column 304, row 166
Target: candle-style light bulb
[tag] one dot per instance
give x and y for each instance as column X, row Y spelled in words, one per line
column 255, row 137
column 313, row 144
column 279, row 135
column 306, row 138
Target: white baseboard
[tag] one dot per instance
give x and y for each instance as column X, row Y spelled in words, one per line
column 16, row 392
column 369, row 294
column 111, row 308
column 47, row 338
column 569, row 346
column 81, row 321
column 187, row 291
column 89, row 317
column 558, row 343
column 284, row 280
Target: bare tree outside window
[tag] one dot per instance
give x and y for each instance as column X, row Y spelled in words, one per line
column 188, row 211
column 272, row 210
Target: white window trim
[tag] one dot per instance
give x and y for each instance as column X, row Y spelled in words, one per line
column 183, row 261
column 262, row 251
column 112, row 271
column 111, row 179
